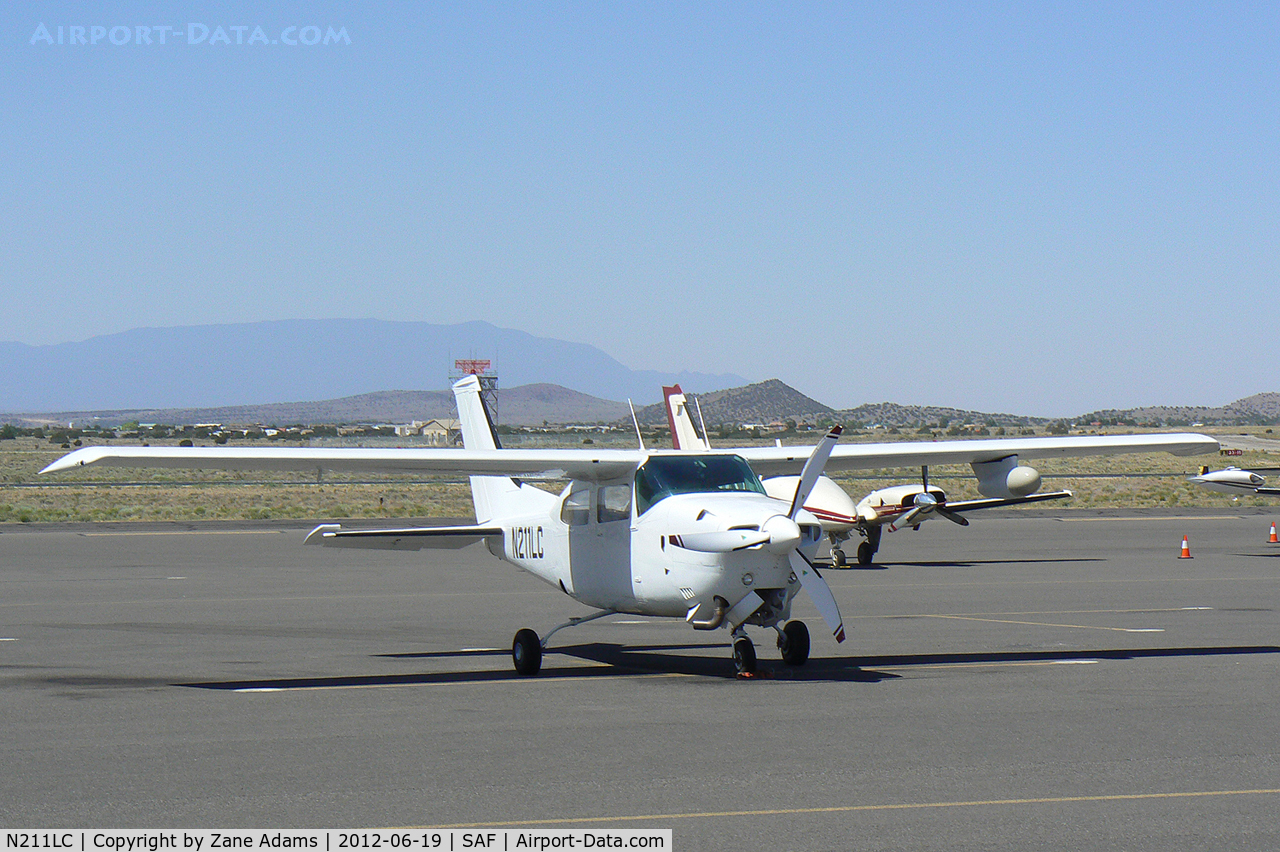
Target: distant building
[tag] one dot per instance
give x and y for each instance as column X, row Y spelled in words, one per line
column 439, row 432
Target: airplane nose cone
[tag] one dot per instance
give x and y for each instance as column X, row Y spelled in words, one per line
column 784, row 534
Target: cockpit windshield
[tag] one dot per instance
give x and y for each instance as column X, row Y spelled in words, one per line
column 662, row 476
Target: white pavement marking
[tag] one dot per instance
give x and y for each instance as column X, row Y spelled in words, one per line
column 190, row 532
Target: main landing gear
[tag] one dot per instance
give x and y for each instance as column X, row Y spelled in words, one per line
column 793, row 643
column 527, row 648
column 867, row 550
column 526, row 652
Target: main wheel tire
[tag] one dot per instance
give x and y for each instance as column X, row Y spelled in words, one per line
column 744, row 655
column 838, row 559
column 526, row 652
column 794, row 643
column 865, row 553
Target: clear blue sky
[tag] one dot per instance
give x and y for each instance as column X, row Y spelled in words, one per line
column 1043, row 208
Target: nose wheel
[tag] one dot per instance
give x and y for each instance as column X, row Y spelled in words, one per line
column 744, row 655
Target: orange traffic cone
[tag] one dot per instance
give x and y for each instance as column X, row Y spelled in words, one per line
column 1272, row 539
column 1186, row 549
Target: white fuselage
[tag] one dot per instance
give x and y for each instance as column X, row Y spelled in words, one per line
column 1231, row 480
column 631, row 564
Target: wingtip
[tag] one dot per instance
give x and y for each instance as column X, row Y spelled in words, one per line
column 65, row 463
column 320, row 533
column 75, row 458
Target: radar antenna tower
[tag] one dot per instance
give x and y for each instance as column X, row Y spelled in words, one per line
column 480, row 368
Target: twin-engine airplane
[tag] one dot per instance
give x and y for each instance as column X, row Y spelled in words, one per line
column 655, row 533
column 1233, row 480
column 895, row 507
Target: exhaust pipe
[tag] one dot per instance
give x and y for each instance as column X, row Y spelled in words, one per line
column 716, row 619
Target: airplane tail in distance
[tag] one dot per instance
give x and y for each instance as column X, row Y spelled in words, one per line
column 683, row 434
column 492, row 495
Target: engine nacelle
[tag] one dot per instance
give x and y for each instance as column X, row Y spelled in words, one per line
column 828, row 501
column 1006, row 478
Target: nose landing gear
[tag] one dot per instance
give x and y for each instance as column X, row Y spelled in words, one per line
column 744, row 655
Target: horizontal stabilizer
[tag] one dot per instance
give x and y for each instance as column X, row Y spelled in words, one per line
column 407, row 538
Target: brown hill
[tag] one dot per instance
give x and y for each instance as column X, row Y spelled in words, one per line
column 764, row 402
column 893, row 414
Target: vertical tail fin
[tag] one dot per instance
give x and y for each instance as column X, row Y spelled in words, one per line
column 492, row 495
column 683, row 434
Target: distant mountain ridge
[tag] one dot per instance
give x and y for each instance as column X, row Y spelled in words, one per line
column 528, row 405
column 531, row 405
column 1261, row 409
column 316, row 360
column 262, row 363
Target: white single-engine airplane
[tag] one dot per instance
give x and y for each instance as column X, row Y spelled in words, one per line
column 894, row 507
column 665, row 534
column 1233, row 480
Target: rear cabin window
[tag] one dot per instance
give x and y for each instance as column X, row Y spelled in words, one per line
column 576, row 509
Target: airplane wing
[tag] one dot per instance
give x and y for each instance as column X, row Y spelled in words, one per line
column 997, row 502
column 602, row 465
column 548, row 464
column 405, row 538
column 773, row 461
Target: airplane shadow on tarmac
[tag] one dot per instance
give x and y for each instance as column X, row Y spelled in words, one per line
column 648, row 661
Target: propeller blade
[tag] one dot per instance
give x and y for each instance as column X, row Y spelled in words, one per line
column 719, row 541
column 906, row 519
column 953, row 517
column 813, row 469
column 820, row 592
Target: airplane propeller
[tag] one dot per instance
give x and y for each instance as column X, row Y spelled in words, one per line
column 808, row 575
column 819, row 592
column 926, row 502
column 781, row 534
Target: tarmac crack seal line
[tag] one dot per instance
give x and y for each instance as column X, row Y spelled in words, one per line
column 838, row 809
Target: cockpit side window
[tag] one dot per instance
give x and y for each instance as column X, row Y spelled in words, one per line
column 613, row 503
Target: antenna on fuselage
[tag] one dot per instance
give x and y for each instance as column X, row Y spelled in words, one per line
column 706, row 436
column 636, row 421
